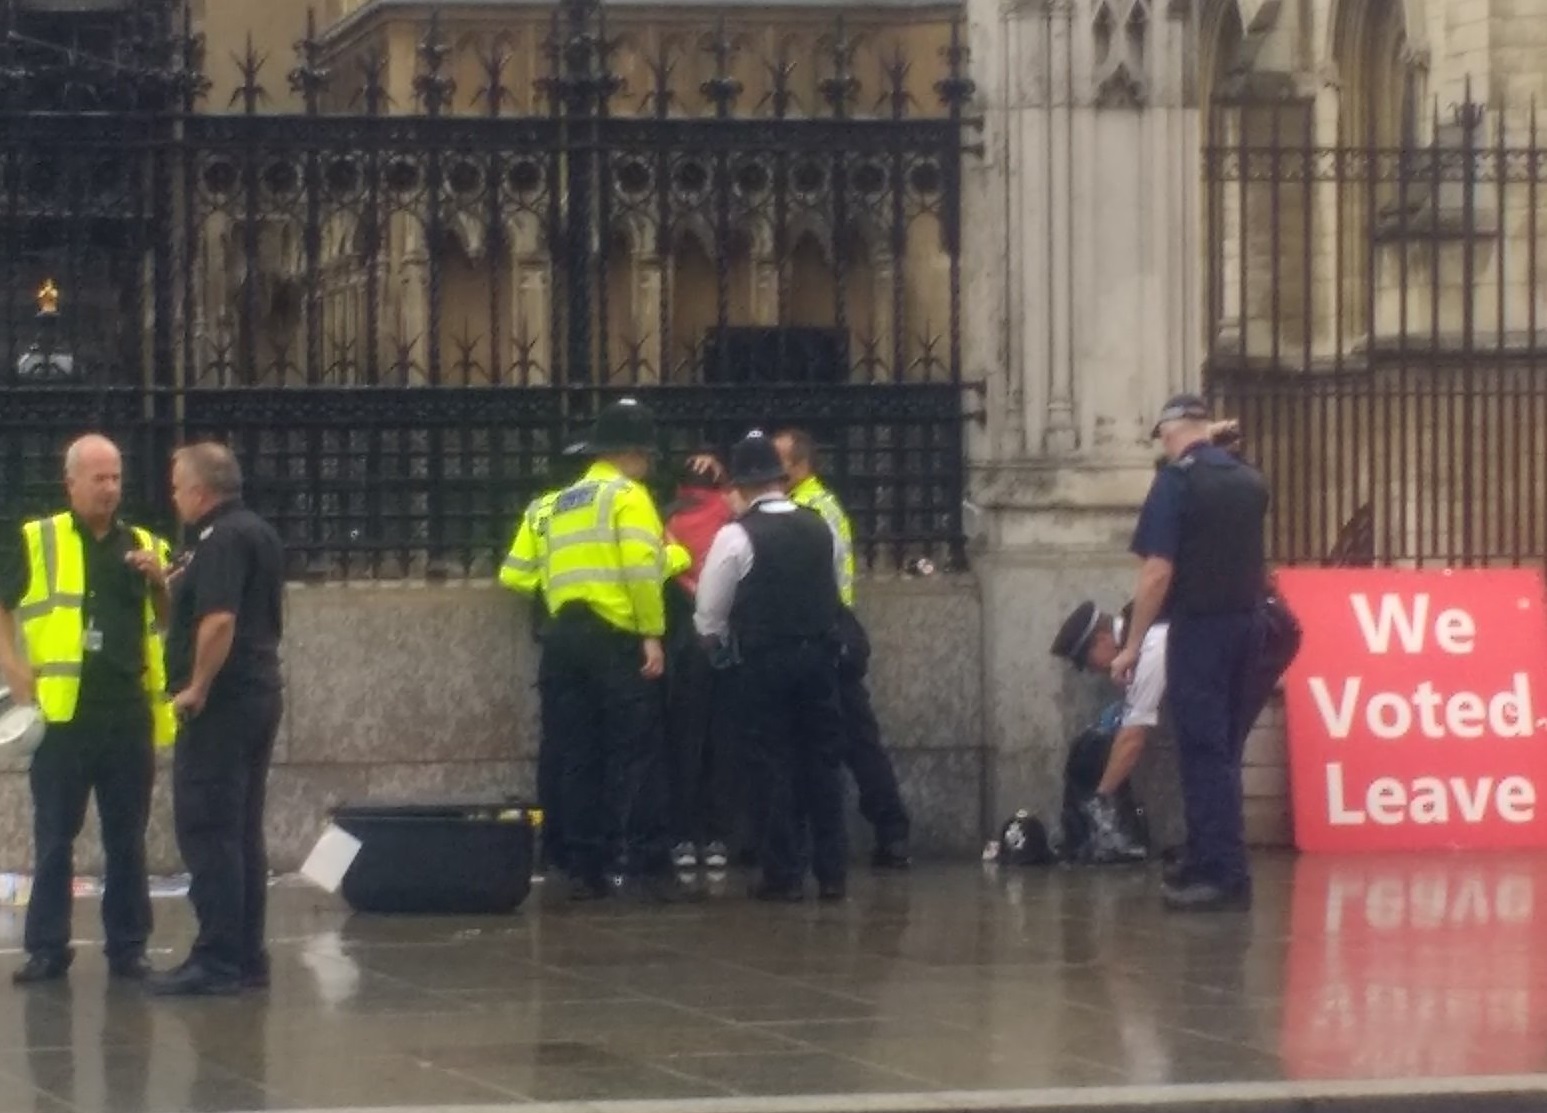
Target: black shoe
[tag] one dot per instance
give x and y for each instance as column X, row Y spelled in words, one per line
column 42, row 968
column 255, row 974
column 129, row 968
column 791, row 892
column 1110, row 844
column 193, row 979
column 1204, row 896
column 832, row 891
column 891, row 856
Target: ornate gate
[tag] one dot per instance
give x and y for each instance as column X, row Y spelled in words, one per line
column 397, row 317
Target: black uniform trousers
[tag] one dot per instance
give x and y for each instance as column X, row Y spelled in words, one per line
column 220, row 776
column 1211, row 662
column 793, row 724
column 606, row 722
column 704, row 777
column 880, row 801
column 111, row 755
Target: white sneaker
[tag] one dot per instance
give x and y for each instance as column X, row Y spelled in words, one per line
column 716, row 857
column 684, row 856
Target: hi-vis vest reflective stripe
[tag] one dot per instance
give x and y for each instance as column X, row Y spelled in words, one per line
column 523, row 565
column 813, row 495
column 54, row 630
column 606, row 549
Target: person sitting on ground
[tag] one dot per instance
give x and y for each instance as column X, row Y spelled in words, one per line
column 1090, row 639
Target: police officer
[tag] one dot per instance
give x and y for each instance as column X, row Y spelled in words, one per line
column 880, row 801
column 522, row 572
column 87, row 591
column 223, row 668
column 769, row 594
column 1090, row 639
column 602, row 578
column 1200, row 538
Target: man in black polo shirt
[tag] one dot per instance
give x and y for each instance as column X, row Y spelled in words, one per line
column 769, row 595
column 223, row 668
column 85, row 594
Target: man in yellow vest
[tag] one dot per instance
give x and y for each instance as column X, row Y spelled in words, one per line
column 90, row 596
column 880, row 801
column 521, row 572
column 602, row 575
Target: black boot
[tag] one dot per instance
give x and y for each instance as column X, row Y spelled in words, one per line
column 1110, row 842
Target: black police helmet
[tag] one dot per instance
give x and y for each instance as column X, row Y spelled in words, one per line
column 1023, row 841
column 1074, row 636
column 626, row 425
column 755, row 462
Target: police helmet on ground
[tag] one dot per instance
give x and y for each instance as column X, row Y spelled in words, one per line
column 755, row 462
column 626, row 425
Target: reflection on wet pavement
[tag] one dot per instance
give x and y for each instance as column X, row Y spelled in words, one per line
column 951, row 979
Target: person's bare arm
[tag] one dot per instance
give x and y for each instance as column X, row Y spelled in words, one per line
column 1154, row 585
column 211, row 650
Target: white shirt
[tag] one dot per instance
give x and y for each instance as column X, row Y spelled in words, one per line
column 729, row 561
column 1141, row 703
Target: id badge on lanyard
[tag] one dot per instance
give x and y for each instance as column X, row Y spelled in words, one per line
column 91, row 640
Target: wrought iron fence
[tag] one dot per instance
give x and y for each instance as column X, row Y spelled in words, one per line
column 1379, row 321
column 398, row 319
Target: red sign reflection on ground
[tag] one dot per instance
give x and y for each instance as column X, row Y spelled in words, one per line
column 1416, row 966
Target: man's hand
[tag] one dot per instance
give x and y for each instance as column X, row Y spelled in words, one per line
column 707, row 465
column 147, row 564
column 1123, row 666
column 22, row 682
column 655, row 660
column 188, row 703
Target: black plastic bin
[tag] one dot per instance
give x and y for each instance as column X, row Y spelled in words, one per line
column 448, row 858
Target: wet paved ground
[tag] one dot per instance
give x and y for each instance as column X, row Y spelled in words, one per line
column 951, row 979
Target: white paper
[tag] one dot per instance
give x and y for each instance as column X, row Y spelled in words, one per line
column 331, row 858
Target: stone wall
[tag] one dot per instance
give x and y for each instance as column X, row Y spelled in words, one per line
column 401, row 692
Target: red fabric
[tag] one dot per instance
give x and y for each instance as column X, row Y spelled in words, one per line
column 699, row 516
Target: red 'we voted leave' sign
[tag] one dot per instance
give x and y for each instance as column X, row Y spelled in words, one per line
column 1416, row 709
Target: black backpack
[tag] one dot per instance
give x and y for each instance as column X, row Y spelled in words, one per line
column 1086, row 762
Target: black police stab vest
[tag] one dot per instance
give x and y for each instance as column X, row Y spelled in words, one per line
column 791, row 591
column 1220, row 566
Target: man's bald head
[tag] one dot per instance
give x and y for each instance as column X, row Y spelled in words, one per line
column 94, row 479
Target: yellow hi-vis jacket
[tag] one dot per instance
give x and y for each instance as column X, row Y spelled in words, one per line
column 811, row 494
column 606, row 548
column 54, row 630
column 523, row 567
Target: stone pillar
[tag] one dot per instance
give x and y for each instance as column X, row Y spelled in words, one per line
column 1083, row 304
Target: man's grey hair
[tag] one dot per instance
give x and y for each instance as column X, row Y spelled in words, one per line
column 214, row 467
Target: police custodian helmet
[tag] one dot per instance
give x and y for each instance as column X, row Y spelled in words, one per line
column 755, row 461
column 626, row 425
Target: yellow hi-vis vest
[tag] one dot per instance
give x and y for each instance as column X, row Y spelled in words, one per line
column 54, row 630
column 606, row 548
column 523, row 567
column 813, row 495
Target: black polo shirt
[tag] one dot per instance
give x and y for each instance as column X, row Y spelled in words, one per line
column 112, row 676
column 234, row 562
